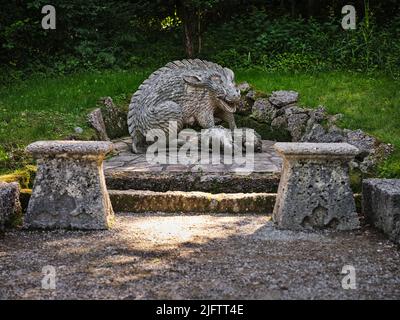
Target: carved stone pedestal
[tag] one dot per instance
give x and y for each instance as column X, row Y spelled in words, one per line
column 314, row 191
column 69, row 189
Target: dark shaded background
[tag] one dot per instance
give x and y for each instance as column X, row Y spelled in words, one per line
column 275, row 34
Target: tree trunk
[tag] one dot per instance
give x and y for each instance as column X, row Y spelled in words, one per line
column 189, row 22
column 199, row 40
column 293, row 8
column 310, row 8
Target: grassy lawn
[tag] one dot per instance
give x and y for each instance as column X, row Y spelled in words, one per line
column 50, row 108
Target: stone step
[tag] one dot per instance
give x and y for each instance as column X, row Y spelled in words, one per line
column 191, row 202
column 137, row 201
column 132, row 171
column 189, row 181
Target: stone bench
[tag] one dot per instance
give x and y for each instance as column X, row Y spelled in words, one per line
column 69, row 189
column 314, row 190
column 381, row 205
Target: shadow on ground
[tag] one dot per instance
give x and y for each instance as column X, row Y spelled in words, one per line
column 160, row 256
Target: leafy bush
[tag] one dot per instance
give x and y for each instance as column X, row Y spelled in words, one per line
column 126, row 35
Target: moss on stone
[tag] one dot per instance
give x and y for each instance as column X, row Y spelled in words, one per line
column 356, row 180
column 23, row 176
column 24, row 197
column 15, row 220
column 358, row 202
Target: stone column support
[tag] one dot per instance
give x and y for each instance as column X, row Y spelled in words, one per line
column 69, row 190
column 314, row 190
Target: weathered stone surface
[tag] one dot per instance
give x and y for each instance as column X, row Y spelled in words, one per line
column 381, row 205
column 255, row 140
column 189, row 202
column 221, row 134
column 335, row 134
column 114, row 119
column 251, row 95
column 244, row 106
column 95, row 119
column 372, row 151
column 228, row 139
column 296, row 122
column 319, row 134
column 244, row 87
column 10, row 206
column 314, row 191
column 365, row 143
column 283, row 98
column 130, row 171
column 213, row 182
column 263, row 111
column 129, row 201
column 318, row 115
column 182, row 92
column 69, row 189
column 280, row 123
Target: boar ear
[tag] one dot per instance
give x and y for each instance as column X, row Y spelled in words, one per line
column 229, row 74
column 192, row 80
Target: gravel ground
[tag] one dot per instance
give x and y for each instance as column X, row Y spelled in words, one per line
column 159, row 256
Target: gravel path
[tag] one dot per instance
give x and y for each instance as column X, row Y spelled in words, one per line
column 158, row 256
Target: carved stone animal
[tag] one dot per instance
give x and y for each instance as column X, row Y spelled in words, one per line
column 186, row 91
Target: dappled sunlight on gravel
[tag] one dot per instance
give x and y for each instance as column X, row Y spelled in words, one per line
column 165, row 256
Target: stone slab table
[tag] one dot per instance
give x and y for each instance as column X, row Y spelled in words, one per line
column 314, row 191
column 381, row 205
column 69, row 190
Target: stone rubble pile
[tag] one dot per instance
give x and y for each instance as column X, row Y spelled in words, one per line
column 281, row 112
column 108, row 120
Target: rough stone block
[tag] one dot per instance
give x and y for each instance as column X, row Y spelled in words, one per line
column 190, row 202
column 69, row 189
column 95, row 119
column 314, row 191
column 381, row 205
column 10, row 206
column 283, row 98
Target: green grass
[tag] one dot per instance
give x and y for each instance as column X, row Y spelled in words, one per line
column 368, row 102
column 50, row 108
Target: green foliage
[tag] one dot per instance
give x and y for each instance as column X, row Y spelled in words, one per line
column 45, row 108
column 391, row 167
column 24, row 176
column 141, row 34
column 296, row 44
column 295, row 62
